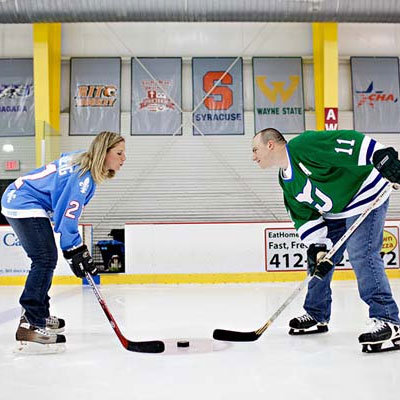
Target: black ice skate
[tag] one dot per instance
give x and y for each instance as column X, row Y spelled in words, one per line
column 306, row 325
column 381, row 334
column 55, row 325
column 35, row 340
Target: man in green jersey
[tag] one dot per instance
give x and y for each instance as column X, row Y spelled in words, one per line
column 328, row 179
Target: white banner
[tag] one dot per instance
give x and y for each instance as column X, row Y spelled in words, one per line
column 156, row 96
column 219, row 112
column 95, row 95
column 14, row 261
column 278, row 94
column 376, row 94
column 285, row 252
column 233, row 247
column 17, row 105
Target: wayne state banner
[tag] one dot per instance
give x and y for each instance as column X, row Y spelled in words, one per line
column 278, row 94
column 375, row 94
column 17, row 111
column 156, row 96
column 95, row 95
column 221, row 111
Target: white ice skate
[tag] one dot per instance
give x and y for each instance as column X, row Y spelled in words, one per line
column 380, row 335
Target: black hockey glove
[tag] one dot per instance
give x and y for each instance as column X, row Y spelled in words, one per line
column 316, row 267
column 387, row 163
column 80, row 261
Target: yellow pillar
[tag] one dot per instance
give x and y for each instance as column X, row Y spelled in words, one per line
column 47, row 81
column 326, row 74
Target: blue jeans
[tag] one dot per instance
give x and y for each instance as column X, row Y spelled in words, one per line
column 37, row 238
column 363, row 247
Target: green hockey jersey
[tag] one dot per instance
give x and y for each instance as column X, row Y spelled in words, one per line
column 330, row 175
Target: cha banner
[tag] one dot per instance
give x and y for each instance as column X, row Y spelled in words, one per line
column 278, row 94
column 219, row 112
column 375, row 83
column 156, row 96
column 17, row 111
column 94, row 95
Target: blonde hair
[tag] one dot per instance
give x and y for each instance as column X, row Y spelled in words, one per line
column 93, row 159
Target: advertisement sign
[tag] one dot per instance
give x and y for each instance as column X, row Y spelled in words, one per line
column 331, row 118
column 156, row 96
column 95, row 95
column 15, row 262
column 17, row 111
column 278, row 94
column 285, row 252
column 218, row 110
column 375, row 83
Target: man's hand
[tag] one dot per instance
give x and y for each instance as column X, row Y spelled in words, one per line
column 387, row 163
column 316, row 264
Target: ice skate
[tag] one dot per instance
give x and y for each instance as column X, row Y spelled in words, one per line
column 34, row 340
column 380, row 335
column 55, row 325
column 306, row 325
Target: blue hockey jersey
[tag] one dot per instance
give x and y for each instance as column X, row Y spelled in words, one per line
column 56, row 191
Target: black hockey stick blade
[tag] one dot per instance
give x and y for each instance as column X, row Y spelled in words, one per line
column 234, row 336
column 153, row 346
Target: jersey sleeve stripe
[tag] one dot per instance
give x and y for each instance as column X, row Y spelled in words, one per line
column 307, row 232
column 366, row 151
column 370, row 151
column 366, row 200
column 369, row 186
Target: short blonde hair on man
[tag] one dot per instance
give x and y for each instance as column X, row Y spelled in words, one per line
column 93, row 159
column 271, row 134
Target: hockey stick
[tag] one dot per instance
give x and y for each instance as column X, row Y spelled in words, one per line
column 154, row 346
column 235, row 336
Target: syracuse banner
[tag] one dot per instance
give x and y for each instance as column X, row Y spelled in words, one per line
column 94, row 95
column 278, row 94
column 219, row 112
column 375, row 83
column 17, row 112
column 156, row 96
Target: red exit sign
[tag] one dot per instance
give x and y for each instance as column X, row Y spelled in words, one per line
column 11, row 165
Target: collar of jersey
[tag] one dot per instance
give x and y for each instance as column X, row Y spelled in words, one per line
column 288, row 175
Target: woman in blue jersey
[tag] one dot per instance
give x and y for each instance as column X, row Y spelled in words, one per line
column 56, row 192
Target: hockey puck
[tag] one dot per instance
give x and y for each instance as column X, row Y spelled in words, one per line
column 182, row 343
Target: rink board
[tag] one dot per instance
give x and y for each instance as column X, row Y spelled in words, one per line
column 14, row 262
column 242, row 251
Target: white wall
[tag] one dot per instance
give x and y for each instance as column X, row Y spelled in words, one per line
column 229, row 248
column 194, row 178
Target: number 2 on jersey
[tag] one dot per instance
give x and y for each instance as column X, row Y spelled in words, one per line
column 74, row 205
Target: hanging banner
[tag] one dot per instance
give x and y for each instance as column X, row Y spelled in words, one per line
column 17, row 111
column 375, row 83
column 278, row 94
column 156, row 96
column 95, row 95
column 219, row 112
